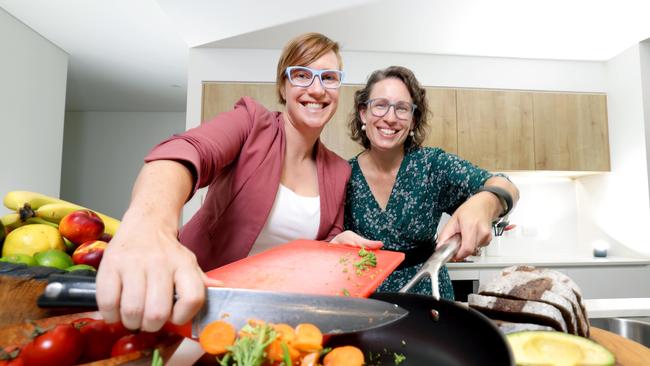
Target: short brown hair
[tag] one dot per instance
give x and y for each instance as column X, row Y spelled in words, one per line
column 302, row 51
column 418, row 94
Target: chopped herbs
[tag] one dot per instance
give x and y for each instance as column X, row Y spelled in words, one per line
column 346, row 292
column 398, row 358
column 156, row 359
column 368, row 259
column 249, row 351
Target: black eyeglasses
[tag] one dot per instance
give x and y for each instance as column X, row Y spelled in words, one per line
column 379, row 107
column 304, row 76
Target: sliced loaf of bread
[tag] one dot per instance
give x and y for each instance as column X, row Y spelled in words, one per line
column 562, row 279
column 528, row 286
column 518, row 311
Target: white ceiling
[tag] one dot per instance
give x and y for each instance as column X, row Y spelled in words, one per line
column 131, row 55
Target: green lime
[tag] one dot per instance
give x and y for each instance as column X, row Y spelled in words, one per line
column 19, row 258
column 53, row 258
column 81, row 267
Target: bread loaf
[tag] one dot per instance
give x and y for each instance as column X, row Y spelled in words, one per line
column 562, row 279
column 526, row 294
column 518, row 311
column 527, row 286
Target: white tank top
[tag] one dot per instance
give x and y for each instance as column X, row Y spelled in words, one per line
column 292, row 217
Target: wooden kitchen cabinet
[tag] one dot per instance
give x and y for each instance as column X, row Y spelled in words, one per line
column 495, row 129
column 571, row 132
column 443, row 128
column 220, row 97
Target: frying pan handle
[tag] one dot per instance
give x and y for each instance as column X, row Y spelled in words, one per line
column 432, row 266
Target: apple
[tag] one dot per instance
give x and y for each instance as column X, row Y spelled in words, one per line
column 106, row 237
column 90, row 253
column 81, row 226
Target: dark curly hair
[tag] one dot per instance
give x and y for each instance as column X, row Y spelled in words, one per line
column 418, row 94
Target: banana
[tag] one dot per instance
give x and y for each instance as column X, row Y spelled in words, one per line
column 54, row 212
column 52, row 209
column 38, row 220
column 15, row 200
column 11, row 221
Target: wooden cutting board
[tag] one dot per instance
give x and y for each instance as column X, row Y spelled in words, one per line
column 308, row 266
column 627, row 352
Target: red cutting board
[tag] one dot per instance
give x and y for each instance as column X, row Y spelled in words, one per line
column 308, row 266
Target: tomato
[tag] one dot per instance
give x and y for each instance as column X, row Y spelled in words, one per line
column 59, row 346
column 13, row 362
column 9, row 356
column 131, row 343
column 118, row 330
column 98, row 339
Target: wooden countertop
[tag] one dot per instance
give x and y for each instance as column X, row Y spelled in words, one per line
column 627, row 352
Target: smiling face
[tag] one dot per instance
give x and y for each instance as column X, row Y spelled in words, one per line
column 387, row 132
column 312, row 107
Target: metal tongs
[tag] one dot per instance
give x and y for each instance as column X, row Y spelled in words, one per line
column 432, row 266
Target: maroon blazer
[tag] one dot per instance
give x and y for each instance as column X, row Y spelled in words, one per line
column 239, row 156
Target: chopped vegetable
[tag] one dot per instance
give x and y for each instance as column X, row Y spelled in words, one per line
column 398, row 358
column 216, row 337
column 368, row 259
column 344, row 356
column 308, row 338
column 156, row 359
column 249, row 351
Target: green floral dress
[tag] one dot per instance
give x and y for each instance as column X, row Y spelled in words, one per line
column 429, row 182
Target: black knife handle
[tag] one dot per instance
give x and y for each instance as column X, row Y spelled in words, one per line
column 68, row 291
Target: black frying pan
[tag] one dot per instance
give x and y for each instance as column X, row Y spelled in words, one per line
column 435, row 332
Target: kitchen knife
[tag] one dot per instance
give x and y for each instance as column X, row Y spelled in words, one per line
column 331, row 314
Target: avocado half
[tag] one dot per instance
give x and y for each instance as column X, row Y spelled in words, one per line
column 557, row 348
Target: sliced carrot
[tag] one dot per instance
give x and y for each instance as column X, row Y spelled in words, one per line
column 274, row 351
column 216, row 336
column 311, row 359
column 308, row 338
column 253, row 323
column 344, row 356
column 285, row 332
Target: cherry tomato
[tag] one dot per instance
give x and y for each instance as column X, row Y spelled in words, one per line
column 59, row 346
column 10, row 356
column 98, row 340
column 118, row 330
column 131, row 343
column 13, row 362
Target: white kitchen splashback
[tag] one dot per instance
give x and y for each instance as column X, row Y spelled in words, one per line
column 546, row 218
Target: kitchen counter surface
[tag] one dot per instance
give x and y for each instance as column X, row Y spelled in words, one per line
column 500, row 262
column 610, row 308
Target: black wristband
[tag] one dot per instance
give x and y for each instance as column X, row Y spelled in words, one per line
column 503, row 195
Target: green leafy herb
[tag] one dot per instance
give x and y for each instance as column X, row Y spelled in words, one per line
column 249, row 351
column 285, row 354
column 156, row 359
column 346, row 292
column 398, row 358
column 368, row 259
column 325, row 351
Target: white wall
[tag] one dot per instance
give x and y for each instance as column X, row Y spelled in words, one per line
column 33, row 75
column 543, row 229
column 644, row 55
column 616, row 206
column 103, row 153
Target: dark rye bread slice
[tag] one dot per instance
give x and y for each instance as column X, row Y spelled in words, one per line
column 559, row 277
column 529, row 286
column 518, row 311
